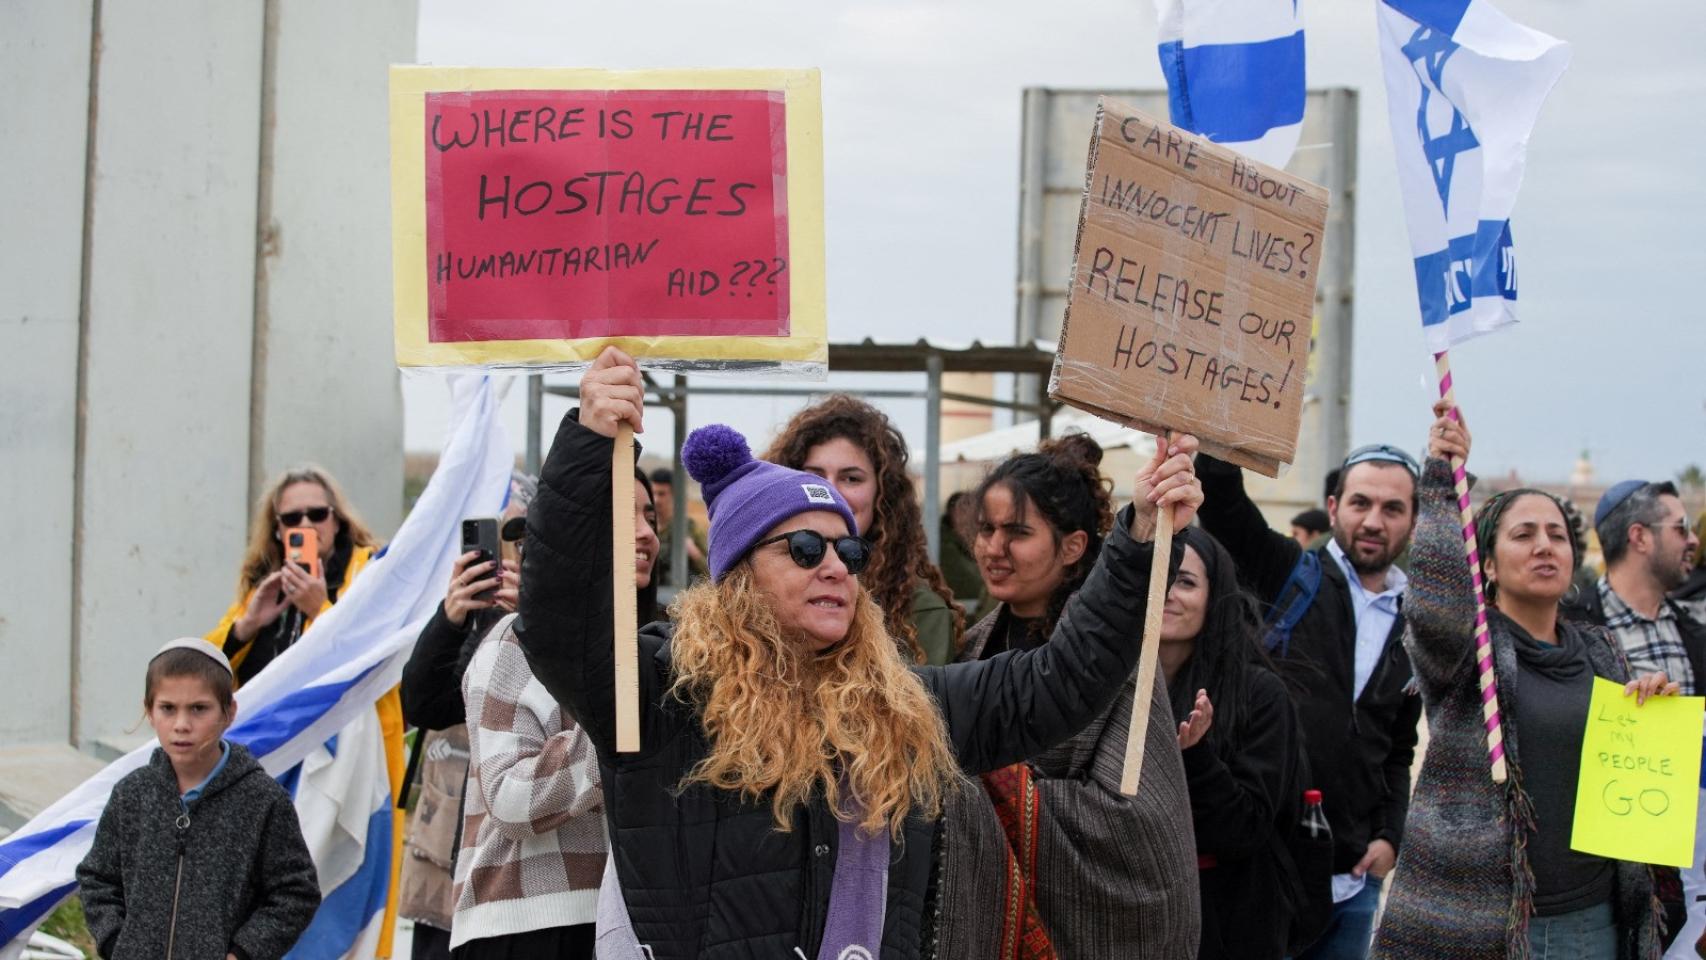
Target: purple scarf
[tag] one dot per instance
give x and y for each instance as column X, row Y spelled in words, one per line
column 857, row 896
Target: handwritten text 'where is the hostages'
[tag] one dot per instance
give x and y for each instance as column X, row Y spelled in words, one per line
column 620, row 182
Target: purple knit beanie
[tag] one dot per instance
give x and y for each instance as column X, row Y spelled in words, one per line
column 747, row 497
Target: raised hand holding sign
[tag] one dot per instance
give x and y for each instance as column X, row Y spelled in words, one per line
column 539, row 215
column 1192, row 294
column 1166, row 497
column 1639, row 786
column 548, row 219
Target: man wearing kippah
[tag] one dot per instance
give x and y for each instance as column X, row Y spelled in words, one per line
column 1336, row 634
column 1649, row 552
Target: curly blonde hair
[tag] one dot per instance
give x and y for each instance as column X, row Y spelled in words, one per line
column 786, row 721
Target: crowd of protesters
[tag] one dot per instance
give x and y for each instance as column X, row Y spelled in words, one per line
column 838, row 762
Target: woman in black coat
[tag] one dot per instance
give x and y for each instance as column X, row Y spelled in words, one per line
column 1242, row 773
column 785, row 797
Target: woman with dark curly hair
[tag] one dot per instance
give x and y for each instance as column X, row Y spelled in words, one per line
column 854, row 446
column 1050, row 845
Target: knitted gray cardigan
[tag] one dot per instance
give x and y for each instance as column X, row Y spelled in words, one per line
column 1462, row 887
column 247, row 885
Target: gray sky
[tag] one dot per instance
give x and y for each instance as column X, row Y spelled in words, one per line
column 921, row 133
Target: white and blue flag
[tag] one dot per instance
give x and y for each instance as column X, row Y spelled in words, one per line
column 343, row 800
column 308, row 717
column 1464, row 84
column 1234, row 72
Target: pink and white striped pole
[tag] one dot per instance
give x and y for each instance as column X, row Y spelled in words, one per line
column 1483, row 640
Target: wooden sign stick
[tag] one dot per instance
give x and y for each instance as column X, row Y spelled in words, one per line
column 624, row 619
column 1138, row 731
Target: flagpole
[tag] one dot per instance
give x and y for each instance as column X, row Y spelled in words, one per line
column 1483, row 639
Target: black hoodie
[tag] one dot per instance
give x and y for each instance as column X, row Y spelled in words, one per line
column 233, row 876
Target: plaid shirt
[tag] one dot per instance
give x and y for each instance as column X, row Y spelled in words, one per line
column 1650, row 645
column 533, row 843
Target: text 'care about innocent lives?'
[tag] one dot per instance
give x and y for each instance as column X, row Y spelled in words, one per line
column 1193, row 288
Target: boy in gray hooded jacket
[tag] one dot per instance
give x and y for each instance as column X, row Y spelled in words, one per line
column 198, row 855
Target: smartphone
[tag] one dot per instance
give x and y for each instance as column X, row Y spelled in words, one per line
column 302, row 547
column 481, row 534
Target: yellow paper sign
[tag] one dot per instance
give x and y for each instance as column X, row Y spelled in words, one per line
column 1639, row 785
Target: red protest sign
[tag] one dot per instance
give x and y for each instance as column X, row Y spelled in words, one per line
column 574, row 214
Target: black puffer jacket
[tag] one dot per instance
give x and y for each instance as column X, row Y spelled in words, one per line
column 1360, row 748
column 704, row 874
column 1245, row 798
column 432, row 677
column 245, row 884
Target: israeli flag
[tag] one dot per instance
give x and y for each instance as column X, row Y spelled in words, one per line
column 1234, row 72
column 308, row 717
column 343, row 799
column 1464, row 84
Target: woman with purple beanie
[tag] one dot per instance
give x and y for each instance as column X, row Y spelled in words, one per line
column 787, row 792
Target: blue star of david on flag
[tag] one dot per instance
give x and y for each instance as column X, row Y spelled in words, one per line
column 1430, row 49
column 1464, row 85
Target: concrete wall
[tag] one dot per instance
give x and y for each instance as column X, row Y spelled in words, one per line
column 325, row 312
column 130, row 476
column 44, row 64
column 171, row 296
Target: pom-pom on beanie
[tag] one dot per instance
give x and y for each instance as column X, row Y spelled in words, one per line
column 747, row 497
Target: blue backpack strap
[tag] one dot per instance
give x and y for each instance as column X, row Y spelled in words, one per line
column 1292, row 602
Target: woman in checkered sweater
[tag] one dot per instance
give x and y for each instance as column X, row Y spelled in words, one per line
column 1487, row 872
column 533, row 841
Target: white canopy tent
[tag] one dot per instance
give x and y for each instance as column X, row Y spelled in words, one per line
column 1023, row 437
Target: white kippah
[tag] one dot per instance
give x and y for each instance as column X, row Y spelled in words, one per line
column 199, row 646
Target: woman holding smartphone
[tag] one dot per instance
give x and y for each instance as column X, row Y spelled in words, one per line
column 276, row 601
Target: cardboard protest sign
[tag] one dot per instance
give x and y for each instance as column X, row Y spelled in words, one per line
column 1639, row 787
column 539, row 215
column 1193, row 290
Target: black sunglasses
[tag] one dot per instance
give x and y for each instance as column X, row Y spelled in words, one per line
column 313, row 515
column 808, row 548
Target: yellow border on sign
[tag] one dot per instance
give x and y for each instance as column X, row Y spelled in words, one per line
column 803, row 110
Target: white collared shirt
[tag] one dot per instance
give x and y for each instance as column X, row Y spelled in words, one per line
column 1375, row 614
